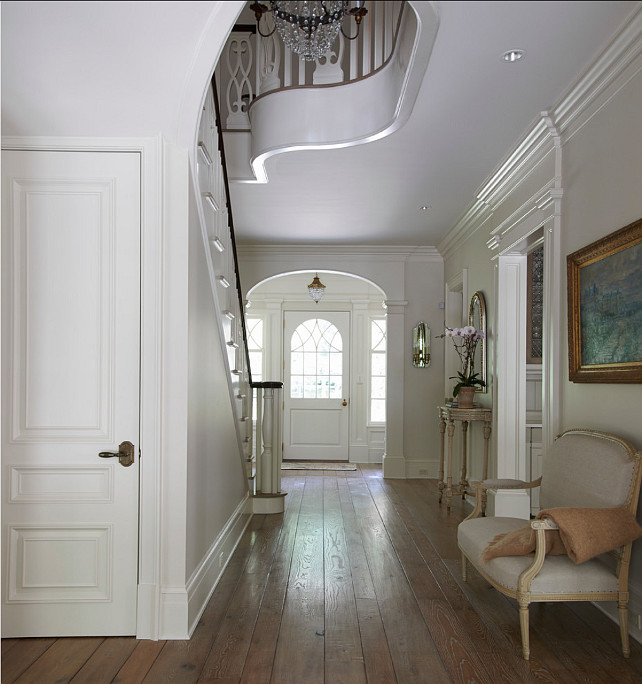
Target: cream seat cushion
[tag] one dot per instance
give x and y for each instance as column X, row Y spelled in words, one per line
column 559, row 574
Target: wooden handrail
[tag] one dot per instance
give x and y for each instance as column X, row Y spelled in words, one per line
column 221, row 147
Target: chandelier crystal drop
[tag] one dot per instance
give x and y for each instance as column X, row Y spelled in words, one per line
column 309, row 28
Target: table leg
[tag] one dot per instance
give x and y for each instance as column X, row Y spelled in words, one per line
column 485, row 470
column 442, row 430
column 449, row 483
column 463, row 483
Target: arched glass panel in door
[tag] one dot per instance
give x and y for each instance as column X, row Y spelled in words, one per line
column 316, row 361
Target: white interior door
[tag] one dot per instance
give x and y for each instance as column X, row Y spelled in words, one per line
column 70, row 367
column 316, row 357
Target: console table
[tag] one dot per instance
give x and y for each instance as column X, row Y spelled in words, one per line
column 447, row 417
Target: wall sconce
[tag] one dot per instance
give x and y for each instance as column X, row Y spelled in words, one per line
column 421, row 345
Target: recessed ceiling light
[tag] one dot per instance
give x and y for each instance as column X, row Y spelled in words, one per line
column 426, row 207
column 511, row 56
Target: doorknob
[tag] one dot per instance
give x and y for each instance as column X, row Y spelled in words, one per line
column 345, row 403
column 125, row 454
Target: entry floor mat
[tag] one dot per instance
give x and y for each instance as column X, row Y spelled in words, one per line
column 317, row 465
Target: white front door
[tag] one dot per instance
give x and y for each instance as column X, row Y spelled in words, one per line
column 70, row 389
column 316, row 375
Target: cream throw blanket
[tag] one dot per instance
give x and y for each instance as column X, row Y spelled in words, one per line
column 583, row 533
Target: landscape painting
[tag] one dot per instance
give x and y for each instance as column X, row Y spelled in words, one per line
column 605, row 309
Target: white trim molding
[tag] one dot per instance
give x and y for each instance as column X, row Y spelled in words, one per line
column 204, row 579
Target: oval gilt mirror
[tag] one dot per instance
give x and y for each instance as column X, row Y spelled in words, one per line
column 477, row 318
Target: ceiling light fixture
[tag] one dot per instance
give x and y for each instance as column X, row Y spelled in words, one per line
column 309, row 27
column 316, row 289
column 511, row 56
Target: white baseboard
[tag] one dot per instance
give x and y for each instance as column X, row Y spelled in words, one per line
column 358, row 453
column 394, row 467
column 422, row 469
column 403, row 468
column 173, row 613
column 206, row 576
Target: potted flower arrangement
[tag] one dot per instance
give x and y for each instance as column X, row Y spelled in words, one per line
column 465, row 341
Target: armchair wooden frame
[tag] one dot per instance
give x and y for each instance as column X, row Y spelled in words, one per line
column 594, row 580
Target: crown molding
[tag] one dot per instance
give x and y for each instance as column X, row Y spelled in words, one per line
column 385, row 253
column 611, row 71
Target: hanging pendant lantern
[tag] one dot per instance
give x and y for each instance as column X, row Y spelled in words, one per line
column 316, row 289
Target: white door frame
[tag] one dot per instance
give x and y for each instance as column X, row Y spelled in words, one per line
column 510, row 346
column 151, row 151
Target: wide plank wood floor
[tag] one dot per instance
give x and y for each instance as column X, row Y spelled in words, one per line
column 358, row 581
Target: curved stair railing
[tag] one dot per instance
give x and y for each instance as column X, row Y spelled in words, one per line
column 252, row 65
column 262, row 455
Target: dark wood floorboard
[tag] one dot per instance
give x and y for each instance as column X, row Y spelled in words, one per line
column 357, row 582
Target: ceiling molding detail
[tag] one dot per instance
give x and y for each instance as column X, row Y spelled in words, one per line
column 610, row 72
column 384, row 253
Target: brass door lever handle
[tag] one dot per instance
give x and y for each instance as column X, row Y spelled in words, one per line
column 125, row 454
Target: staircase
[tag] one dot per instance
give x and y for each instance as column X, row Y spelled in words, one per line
column 261, row 456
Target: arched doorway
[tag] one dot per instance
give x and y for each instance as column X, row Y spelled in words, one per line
column 354, row 308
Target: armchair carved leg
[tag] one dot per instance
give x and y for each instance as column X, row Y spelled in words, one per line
column 523, row 623
column 623, row 614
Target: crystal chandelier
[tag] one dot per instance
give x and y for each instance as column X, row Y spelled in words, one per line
column 309, row 27
column 316, row 289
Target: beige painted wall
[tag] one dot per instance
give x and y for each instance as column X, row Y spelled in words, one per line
column 603, row 192
column 602, row 181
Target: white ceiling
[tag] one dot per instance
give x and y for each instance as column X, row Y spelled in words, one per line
column 471, row 110
column 140, row 68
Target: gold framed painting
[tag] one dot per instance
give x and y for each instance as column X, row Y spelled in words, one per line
column 605, row 308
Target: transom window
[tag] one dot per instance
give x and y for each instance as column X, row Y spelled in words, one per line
column 316, row 361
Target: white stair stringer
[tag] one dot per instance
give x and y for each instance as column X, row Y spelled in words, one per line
column 217, row 235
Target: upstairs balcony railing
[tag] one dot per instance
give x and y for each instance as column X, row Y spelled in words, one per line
column 252, row 65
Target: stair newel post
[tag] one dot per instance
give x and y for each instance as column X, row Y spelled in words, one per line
column 277, row 440
column 258, row 438
column 268, row 498
column 268, row 431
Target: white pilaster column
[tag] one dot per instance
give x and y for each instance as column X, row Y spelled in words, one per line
column 394, row 463
column 510, row 369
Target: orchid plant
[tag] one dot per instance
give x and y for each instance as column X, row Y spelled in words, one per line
column 465, row 341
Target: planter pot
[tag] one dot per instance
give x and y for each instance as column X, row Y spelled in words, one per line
column 466, row 397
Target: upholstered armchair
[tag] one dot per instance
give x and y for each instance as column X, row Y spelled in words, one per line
column 593, row 479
